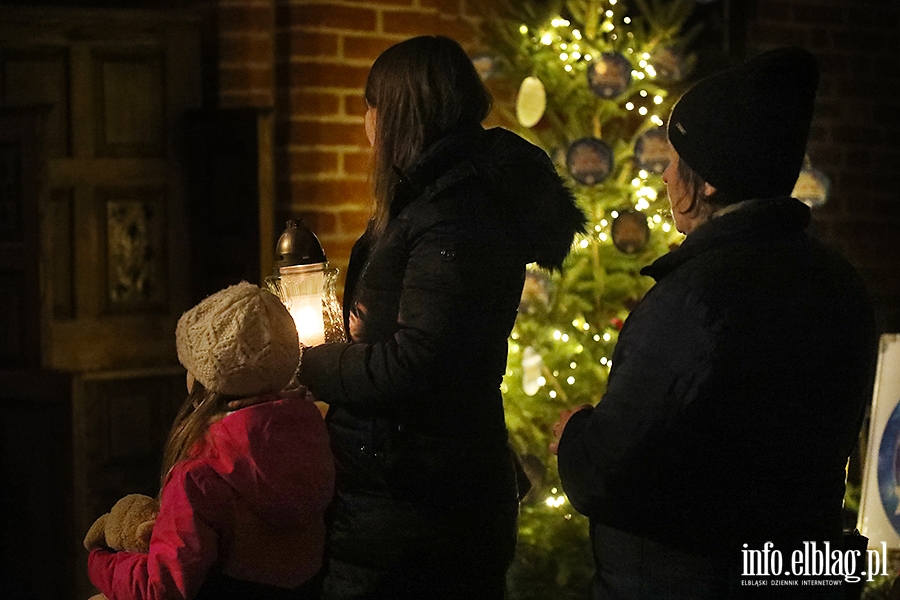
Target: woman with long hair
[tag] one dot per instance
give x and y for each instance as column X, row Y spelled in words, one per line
column 426, row 503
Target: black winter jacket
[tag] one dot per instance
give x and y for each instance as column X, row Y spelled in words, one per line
column 416, row 414
column 736, row 393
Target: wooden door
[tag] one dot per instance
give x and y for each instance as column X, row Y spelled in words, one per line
column 94, row 260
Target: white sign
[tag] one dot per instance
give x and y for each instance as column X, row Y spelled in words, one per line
column 879, row 508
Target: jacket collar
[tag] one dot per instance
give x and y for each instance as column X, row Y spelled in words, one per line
column 754, row 220
column 447, row 161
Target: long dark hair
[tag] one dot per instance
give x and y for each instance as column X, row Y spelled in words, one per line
column 200, row 409
column 423, row 88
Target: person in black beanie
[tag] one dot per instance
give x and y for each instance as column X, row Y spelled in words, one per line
column 739, row 382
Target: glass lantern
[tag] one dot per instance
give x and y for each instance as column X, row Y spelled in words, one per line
column 306, row 285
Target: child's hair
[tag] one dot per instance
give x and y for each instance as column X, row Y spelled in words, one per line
column 238, row 343
column 200, row 408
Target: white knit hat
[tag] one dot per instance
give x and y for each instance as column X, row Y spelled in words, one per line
column 240, row 341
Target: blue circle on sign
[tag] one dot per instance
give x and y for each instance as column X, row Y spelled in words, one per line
column 889, row 468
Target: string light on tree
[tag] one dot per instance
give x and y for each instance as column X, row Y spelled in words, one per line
column 606, row 76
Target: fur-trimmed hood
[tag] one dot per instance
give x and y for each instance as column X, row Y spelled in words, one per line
column 519, row 176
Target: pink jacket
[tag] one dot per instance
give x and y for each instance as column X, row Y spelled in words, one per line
column 251, row 501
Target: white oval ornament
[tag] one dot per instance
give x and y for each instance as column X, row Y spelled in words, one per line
column 531, row 102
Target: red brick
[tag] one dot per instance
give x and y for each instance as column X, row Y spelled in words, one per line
column 307, row 44
column 246, row 48
column 355, row 104
column 245, row 98
column 319, row 222
column 409, row 22
column 312, row 162
column 328, row 15
column 357, row 163
column 311, row 74
column 460, row 30
column 367, row 48
column 311, row 133
column 245, row 78
column 302, row 102
column 233, row 17
column 318, row 195
column 354, row 221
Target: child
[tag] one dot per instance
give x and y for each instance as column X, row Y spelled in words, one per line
column 243, row 493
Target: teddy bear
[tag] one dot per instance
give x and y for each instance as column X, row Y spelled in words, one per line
column 126, row 527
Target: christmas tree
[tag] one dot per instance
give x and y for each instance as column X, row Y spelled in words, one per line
column 595, row 87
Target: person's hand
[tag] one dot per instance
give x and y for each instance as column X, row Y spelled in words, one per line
column 560, row 425
column 299, row 393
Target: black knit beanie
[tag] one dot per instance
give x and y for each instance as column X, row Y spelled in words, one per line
column 744, row 130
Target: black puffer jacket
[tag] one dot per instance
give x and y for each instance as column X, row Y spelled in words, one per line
column 736, row 393
column 416, row 414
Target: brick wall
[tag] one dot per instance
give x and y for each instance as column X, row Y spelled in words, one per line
column 309, row 61
column 855, row 138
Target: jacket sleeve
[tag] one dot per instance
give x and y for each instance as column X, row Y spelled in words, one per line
column 621, row 449
column 446, row 288
column 183, row 546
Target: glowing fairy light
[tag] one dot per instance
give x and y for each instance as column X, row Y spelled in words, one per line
column 588, row 57
column 541, row 381
column 634, row 182
column 565, row 337
column 657, row 218
column 627, row 21
column 643, row 174
column 614, row 214
column 657, row 99
column 557, row 334
column 559, row 22
column 607, row 27
column 604, row 222
column 576, row 34
column 650, row 70
column 666, row 227
column 603, row 361
column 643, row 64
column 563, row 56
column 603, row 237
column 553, row 501
column 552, row 394
column 629, row 105
column 655, row 119
column 547, row 39
column 576, row 55
column 596, row 337
column 570, row 380
column 643, row 93
column 573, row 365
column 523, row 29
column 643, row 110
column 568, row 68
column 586, row 326
column 609, row 14
column 583, row 243
column 606, row 337
column 597, row 228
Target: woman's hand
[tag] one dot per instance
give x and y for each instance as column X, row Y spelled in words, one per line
column 560, row 425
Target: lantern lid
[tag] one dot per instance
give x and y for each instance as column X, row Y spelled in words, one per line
column 297, row 245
